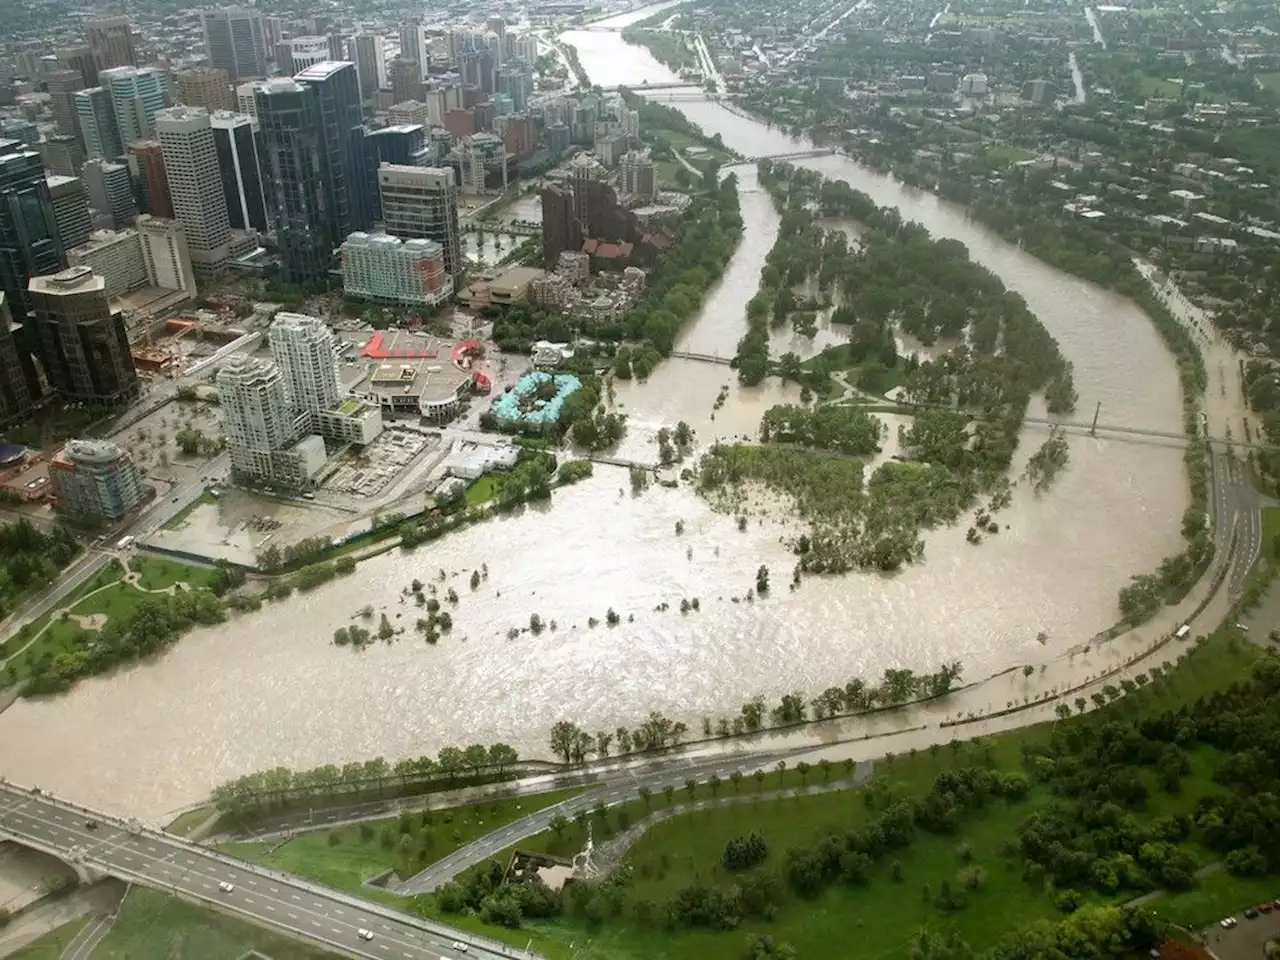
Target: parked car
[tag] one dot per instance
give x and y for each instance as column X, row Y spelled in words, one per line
column 1227, row 922
column 1265, row 907
column 1250, row 913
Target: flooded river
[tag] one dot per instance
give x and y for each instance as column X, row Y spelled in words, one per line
column 270, row 689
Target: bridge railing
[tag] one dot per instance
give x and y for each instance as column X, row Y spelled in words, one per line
column 280, row 876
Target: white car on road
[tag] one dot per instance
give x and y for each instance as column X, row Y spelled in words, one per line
column 226, row 887
column 460, row 946
column 364, row 934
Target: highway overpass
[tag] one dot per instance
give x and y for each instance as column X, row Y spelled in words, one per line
column 96, row 845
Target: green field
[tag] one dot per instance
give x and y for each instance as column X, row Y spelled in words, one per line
column 118, row 600
column 154, row 925
column 883, row 914
column 345, row 857
column 51, row 945
column 1269, row 80
column 188, row 821
column 484, row 489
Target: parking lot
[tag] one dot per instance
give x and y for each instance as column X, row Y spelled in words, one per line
column 1247, row 939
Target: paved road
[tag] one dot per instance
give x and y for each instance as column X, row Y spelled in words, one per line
column 266, row 897
column 95, row 558
column 613, row 786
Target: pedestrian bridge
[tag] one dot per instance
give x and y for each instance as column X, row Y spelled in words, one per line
column 702, row 357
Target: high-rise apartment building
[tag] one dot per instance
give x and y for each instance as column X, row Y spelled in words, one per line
column 386, row 269
column 97, row 120
column 116, row 257
column 246, row 94
column 165, row 255
column 638, row 180
column 83, row 346
column 208, row 87
column 561, row 230
column 70, row 209
column 411, row 113
column 82, row 61
column 195, row 183
column 234, row 41
column 137, row 95
column 423, row 202
column 95, row 478
column 16, row 395
column 146, row 161
column 260, row 426
column 111, row 39
column 370, row 63
column 62, row 86
column 313, row 161
column 480, row 154
column 29, row 241
column 413, row 46
column 516, row 81
column 402, row 144
column 404, row 77
column 62, row 154
column 110, row 190
column 303, row 348
column 304, row 52
column 151, row 254
column 238, row 139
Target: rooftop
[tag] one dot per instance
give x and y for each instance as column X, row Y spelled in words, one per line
column 323, row 70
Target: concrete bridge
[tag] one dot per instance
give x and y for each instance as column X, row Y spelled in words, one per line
column 96, row 845
column 501, row 226
column 798, row 155
column 645, row 87
column 622, row 462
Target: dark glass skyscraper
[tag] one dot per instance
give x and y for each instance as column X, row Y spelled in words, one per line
column 29, row 243
column 313, row 159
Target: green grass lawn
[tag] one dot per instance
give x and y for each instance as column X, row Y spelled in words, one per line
column 837, row 358
column 51, row 945
column 886, row 913
column 484, row 489
column 188, row 821
column 1269, row 80
column 117, row 601
column 1217, row 895
column 154, row 925
column 157, row 573
column 345, row 857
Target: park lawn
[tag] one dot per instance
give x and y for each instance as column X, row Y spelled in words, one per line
column 682, row 141
column 1216, row 896
column 154, row 925
column 51, row 945
column 188, row 821
column 345, row 857
column 676, row 852
column 159, row 573
column 837, row 357
column 483, row 490
column 666, row 173
column 118, row 601
column 1006, row 153
column 1269, row 80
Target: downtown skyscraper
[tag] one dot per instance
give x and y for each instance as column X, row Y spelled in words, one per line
column 317, row 188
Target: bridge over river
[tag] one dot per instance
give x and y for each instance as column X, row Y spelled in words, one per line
column 97, row 845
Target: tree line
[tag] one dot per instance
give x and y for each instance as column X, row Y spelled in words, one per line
column 275, row 788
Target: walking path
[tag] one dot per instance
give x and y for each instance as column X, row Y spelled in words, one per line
column 610, row 854
column 95, row 621
column 29, row 926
